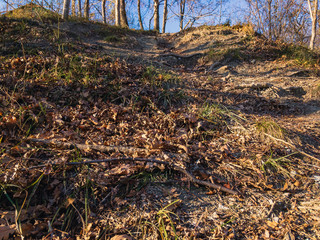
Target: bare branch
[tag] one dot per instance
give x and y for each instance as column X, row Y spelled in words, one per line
column 151, row 160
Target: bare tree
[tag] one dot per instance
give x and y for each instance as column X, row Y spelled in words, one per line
column 279, row 19
column 181, row 13
column 313, row 9
column 139, row 14
column 103, row 9
column 269, row 20
column 165, row 15
column 123, row 14
column 156, row 15
column 66, row 8
column 117, row 12
column 73, row 8
column 192, row 12
column 86, row 9
column 79, row 9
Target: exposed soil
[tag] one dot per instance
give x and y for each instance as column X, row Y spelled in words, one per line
column 217, row 101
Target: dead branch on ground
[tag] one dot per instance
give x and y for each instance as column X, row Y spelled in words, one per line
column 151, row 160
column 292, row 146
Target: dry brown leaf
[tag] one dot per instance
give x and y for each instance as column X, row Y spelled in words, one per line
column 69, row 201
column 5, row 231
column 121, row 237
column 172, row 207
column 10, row 215
column 285, row 187
column 27, row 228
column 272, row 224
column 297, row 183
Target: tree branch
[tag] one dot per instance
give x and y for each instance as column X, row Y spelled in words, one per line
column 102, row 148
column 151, row 160
column 293, row 146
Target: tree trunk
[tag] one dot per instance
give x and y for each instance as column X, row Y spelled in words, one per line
column 313, row 16
column 139, row 15
column 269, row 2
column 79, row 9
column 156, row 15
column 123, row 14
column 86, row 9
column 66, row 8
column 73, row 8
column 117, row 13
column 182, row 8
column 165, row 14
column 103, row 10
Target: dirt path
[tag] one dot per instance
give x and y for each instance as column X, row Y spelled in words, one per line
column 259, row 88
column 262, row 88
column 213, row 103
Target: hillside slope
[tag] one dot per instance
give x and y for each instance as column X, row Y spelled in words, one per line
column 109, row 133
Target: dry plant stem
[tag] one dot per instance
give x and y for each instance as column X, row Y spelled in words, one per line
column 293, row 146
column 103, row 148
column 178, row 168
column 100, row 148
column 181, row 56
column 271, row 209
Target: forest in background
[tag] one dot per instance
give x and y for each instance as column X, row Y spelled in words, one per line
column 292, row 21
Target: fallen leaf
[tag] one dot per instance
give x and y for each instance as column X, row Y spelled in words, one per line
column 27, row 228
column 5, row 231
column 285, row 187
column 121, row 237
column 272, row 224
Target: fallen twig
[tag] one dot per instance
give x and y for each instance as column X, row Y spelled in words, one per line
column 271, row 209
column 180, row 56
column 172, row 165
column 292, row 146
column 102, row 148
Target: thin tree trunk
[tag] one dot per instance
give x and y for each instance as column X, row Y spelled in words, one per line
column 79, row 9
column 123, row 14
column 156, row 15
column 103, row 10
column 182, row 8
column 270, row 20
column 86, row 9
column 66, row 8
column 139, row 15
column 313, row 16
column 73, row 8
column 165, row 14
column 117, row 13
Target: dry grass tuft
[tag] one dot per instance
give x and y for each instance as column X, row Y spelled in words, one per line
column 270, row 127
column 33, row 11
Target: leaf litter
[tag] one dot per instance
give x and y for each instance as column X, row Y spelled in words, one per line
column 99, row 146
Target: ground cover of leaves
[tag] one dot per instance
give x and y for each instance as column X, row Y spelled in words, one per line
column 65, row 101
